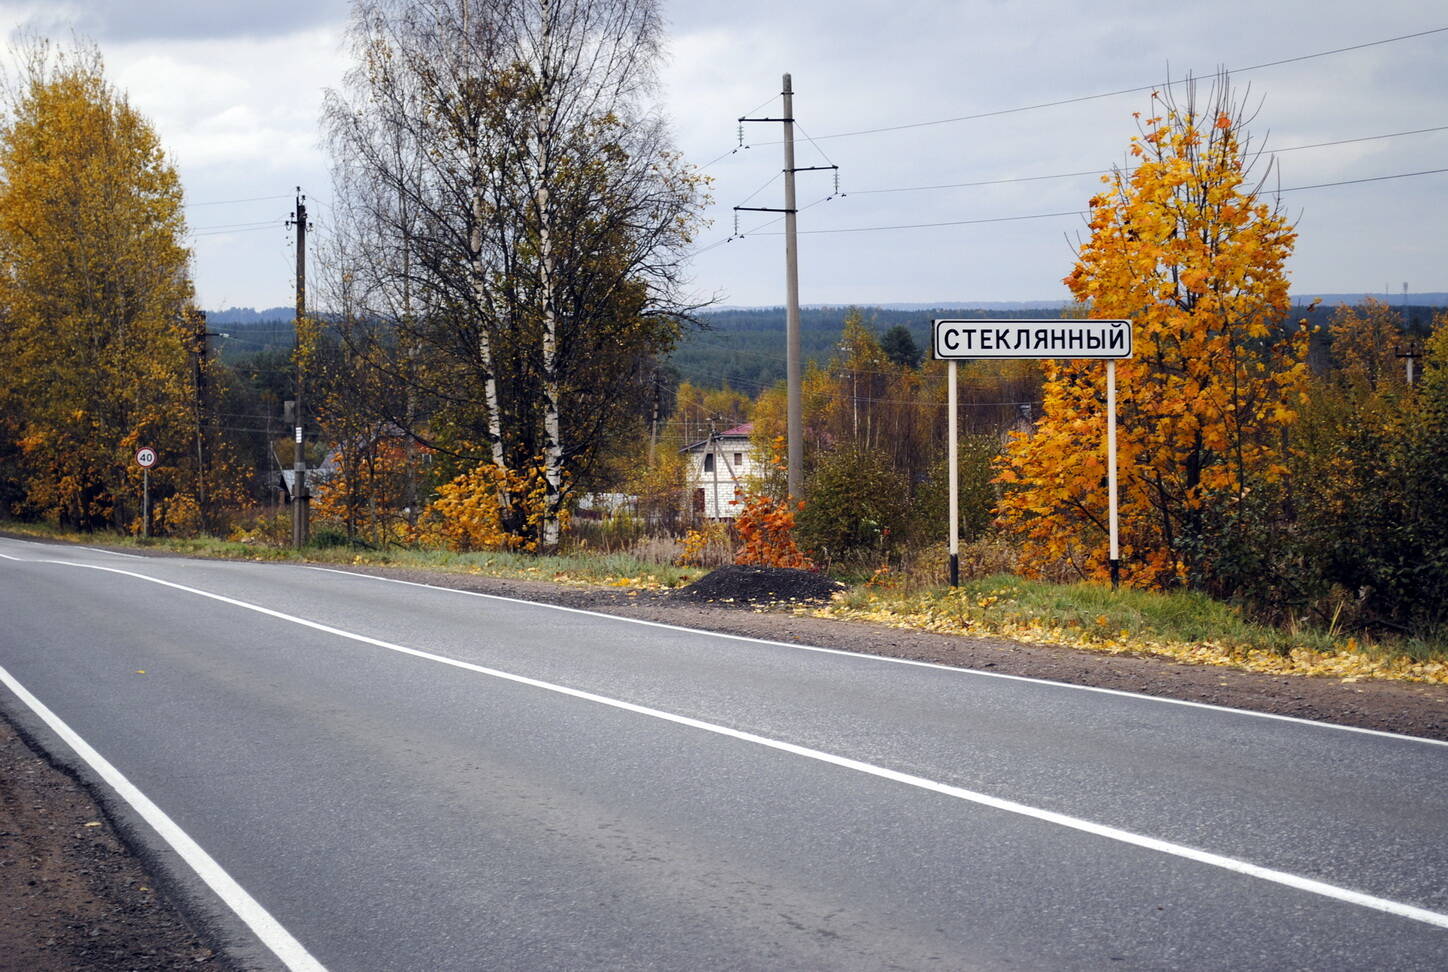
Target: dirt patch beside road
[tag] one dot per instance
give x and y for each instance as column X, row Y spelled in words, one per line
column 72, row 895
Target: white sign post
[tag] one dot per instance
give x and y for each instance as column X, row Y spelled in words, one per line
column 967, row 340
column 145, row 458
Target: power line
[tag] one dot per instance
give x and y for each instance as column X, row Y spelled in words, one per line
column 1097, row 172
column 1010, row 219
column 772, row 222
column 230, row 226
column 828, row 160
column 1353, row 182
column 254, row 229
column 1123, row 91
column 741, row 147
column 953, row 222
column 228, row 202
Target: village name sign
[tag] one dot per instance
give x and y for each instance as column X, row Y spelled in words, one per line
column 1032, row 339
column 969, row 340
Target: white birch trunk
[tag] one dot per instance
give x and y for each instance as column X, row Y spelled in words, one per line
column 485, row 348
column 551, row 525
column 552, row 431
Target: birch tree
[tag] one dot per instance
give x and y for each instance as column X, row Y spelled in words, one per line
column 514, row 214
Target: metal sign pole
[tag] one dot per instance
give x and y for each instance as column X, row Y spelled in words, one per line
column 1115, row 556
column 145, row 502
column 950, row 422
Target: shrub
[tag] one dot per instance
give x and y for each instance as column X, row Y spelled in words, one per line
column 766, row 534
column 857, row 503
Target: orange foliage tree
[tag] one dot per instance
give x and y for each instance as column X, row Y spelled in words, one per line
column 1185, row 247
column 368, row 495
column 466, row 514
column 766, row 525
column 1365, row 340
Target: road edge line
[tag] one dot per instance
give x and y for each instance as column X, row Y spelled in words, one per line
column 267, row 929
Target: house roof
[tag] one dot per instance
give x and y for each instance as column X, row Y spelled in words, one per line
column 738, row 432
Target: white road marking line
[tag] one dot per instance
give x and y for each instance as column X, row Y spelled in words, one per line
column 115, row 553
column 258, row 919
column 1298, row 882
column 53, row 546
column 958, row 669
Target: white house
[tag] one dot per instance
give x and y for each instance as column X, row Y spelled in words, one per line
column 718, row 469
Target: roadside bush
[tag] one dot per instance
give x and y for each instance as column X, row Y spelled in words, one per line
column 978, row 492
column 857, row 504
column 331, row 537
column 710, row 545
column 1374, row 514
column 766, row 528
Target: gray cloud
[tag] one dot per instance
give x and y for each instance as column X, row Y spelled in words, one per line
column 142, row 20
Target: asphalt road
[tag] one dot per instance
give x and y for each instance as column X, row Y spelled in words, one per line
column 392, row 776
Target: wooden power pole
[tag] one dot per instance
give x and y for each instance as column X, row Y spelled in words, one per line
column 300, row 496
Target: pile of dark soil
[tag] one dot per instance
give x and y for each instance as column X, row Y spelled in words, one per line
column 738, row 584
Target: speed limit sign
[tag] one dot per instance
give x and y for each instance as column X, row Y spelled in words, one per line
column 146, row 457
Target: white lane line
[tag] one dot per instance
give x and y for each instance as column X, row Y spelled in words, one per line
column 1296, row 881
column 53, row 546
column 258, row 919
column 960, row 670
column 115, row 553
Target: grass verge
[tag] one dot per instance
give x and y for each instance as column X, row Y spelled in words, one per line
column 1180, row 625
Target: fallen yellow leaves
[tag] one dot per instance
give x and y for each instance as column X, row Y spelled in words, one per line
column 951, row 616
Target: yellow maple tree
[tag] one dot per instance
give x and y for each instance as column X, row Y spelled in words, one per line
column 1185, row 246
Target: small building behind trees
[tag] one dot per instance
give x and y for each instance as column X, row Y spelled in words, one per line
column 717, row 471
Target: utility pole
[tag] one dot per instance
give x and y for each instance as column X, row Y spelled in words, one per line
column 1412, row 354
column 654, row 422
column 300, row 496
column 197, row 320
column 714, row 465
column 794, row 418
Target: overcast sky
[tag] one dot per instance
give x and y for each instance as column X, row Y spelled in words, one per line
column 234, row 90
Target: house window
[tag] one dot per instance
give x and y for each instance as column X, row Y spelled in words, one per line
column 708, row 462
column 738, row 459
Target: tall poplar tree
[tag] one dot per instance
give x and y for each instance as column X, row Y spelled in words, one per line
column 93, row 282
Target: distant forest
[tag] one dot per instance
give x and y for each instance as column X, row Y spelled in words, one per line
column 744, row 349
